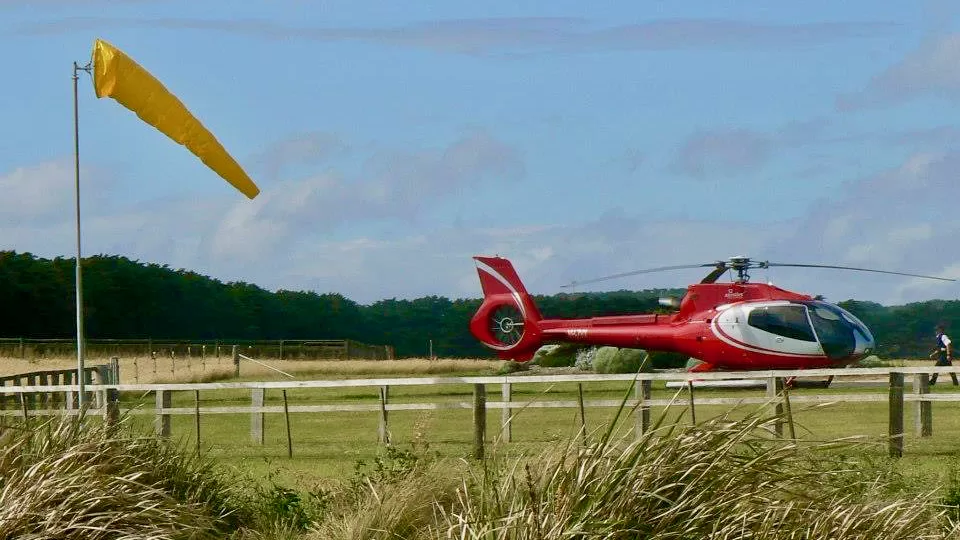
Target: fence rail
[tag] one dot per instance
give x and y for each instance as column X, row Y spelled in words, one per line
column 281, row 349
column 776, row 393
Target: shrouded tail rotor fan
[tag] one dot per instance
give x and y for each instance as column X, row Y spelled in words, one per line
column 506, row 325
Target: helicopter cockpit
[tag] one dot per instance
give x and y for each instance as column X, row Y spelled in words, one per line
column 808, row 325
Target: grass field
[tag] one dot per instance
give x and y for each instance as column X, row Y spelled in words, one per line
column 341, row 483
column 328, row 446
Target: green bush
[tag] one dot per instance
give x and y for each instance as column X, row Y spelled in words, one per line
column 584, row 361
column 614, row 360
column 872, row 361
column 667, row 360
column 288, row 509
column 510, row 366
column 562, row 355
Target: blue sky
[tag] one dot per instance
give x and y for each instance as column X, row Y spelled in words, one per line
column 393, row 142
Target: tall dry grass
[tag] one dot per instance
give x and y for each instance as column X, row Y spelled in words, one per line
column 85, row 480
column 147, row 370
column 723, row 479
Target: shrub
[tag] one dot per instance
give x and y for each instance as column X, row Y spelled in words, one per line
column 510, row 366
column 562, row 355
column 614, row 360
column 667, row 360
column 585, row 357
column 872, row 361
column 287, row 509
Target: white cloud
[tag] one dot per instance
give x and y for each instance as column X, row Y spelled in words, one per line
column 931, row 69
column 722, row 153
column 513, row 35
column 734, row 151
column 298, row 150
column 39, row 192
column 394, row 187
column 283, row 239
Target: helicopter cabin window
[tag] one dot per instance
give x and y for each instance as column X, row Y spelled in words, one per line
column 787, row 321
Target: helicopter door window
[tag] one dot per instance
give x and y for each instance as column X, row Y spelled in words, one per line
column 787, row 321
column 836, row 331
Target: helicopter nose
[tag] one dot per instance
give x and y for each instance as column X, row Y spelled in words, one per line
column 865, row 344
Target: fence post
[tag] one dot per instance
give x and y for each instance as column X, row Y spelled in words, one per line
column 23, row 408
column 70, row 396
column 256, row 417
column 101, row 395
column 281, row 349
column 44, row 380
column 111, row 413
column 162, row 421
column 789, row 413
column 286, row 417
column 693, row 411
column 383, row 434
column 645, row 392
column 479, row 419
column 924, row 408
column 23, row 352
column 896, row 415
column 88, row 380
column 236, row 362
column 774, row 389
column 196, row 416
column 54, row 396
column 583, row 414
column 506, row 414
column 31, row 399
column 115, row 370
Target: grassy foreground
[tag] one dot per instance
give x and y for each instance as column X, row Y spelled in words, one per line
column 721, row 479
column 724, row 477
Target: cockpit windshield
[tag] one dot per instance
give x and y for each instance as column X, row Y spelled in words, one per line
column 837, row 329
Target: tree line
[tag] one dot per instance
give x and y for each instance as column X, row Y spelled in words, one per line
column 128, row 299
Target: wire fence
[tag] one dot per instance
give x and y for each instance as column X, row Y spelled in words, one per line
column 279, row 349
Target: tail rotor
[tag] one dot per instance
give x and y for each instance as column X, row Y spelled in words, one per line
column 507, row 319
column 506, row 325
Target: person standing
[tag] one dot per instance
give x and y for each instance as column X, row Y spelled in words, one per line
column 944, row 354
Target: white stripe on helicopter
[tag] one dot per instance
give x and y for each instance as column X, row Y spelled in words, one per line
column 730, row 340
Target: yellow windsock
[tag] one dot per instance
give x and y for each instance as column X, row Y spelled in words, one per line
column 118, row 76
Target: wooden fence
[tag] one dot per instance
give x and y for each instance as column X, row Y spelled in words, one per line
column 640, row 404
column 103, row 374
column 280, row 349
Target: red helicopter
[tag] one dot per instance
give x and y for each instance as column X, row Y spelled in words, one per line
column 727, row 326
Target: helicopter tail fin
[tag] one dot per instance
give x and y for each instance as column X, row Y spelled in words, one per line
column 507, row 319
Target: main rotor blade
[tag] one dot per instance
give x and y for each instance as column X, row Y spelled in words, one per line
column 637, row 272
column 860, row 270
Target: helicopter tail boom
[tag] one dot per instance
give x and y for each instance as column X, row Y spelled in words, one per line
column 507, row 320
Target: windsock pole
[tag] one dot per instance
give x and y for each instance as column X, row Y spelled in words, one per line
column 81, row 397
